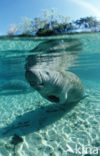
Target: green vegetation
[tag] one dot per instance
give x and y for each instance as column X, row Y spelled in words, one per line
column 51, row 24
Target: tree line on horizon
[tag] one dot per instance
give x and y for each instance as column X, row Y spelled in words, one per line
column 51, row 24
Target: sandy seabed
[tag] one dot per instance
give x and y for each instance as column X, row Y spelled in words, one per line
column 45, row 129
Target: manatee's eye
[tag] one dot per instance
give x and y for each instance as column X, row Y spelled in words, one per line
column 53, row 98
column 47, row 73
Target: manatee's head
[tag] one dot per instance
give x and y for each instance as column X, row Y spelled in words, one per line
column 33, row 76
column 46, row 82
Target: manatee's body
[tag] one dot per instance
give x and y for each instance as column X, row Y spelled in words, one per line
column 56, row 86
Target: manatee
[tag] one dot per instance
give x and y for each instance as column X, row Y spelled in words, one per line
column 61, row 87
column 48, row 70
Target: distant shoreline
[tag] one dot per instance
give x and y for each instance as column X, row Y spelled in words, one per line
column 55, row 35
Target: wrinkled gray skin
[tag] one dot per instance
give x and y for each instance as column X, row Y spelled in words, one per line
column 57, row 86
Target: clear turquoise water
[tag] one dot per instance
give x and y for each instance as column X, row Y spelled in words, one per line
column 24, row 112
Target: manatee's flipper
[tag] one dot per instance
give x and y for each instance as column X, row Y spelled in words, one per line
column 85, row 96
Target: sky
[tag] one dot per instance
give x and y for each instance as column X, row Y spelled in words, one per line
column 12, row 11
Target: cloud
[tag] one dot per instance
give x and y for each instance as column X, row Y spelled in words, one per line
column 89, row 6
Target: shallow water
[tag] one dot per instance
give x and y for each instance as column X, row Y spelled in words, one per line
column 24, row 112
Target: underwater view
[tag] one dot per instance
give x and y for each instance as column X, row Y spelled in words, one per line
column 36, row 121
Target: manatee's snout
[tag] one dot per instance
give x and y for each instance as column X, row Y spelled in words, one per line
column 33, row 76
